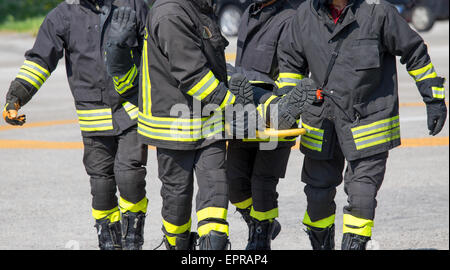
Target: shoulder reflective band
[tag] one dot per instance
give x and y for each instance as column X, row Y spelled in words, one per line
column 267, row 215
column 424, row 73
column 113, row 215
column 33, row 73
column 438, row 92
column 126, row 206
column 321, row 224
column 377, row 133
column 205, row 87
column 212, row 212
column 124, row 83
column 131, row 110
column 313, row 139
column 288, row 79
column 95, row 120
column 357, row 226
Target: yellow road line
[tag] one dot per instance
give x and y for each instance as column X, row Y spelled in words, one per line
column 230, row 56
column 30, row 144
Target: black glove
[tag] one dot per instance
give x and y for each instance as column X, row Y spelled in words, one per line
column 241, row 88
column 437, row 114
column 118, row 55
column 292, row 105
column 17, row 96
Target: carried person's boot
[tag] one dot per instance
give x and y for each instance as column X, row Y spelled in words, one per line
column 133, row 230
column 321, row 238
column 261, row 234
column 352, row 241
column 109, row 234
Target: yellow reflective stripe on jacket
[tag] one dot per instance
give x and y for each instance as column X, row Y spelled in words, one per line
column 124, row 83
column 424, row 73
column 145, row 83
column 313, row 139
column 288, row 79
column 131, row 110
column 113, row 215
column 95, row 120
column 33, row 73
column 140, row 206
column 321, row 224
column 175, row 229
column 212, row 212
column 267, row 215
column 438, row 92
column 244, row 204
column 357, row 226
column 218, row 227
column 377, row 133
column 205, row 87
column 177, row 135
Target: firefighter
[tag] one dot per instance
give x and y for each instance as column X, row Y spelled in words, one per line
column 113, row 158
column 183, row 93
column 350, row 48
column 252, row 172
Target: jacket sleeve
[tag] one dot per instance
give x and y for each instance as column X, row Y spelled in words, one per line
column 401, row 40
column 292, row 63
column 48, row 49
column 127, row 85
column 180, row 42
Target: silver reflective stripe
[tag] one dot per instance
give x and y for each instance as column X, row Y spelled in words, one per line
column 43, row 76
column 288, row 80
column 204, row 87
column 419, row 77
column 376, row 128
column 36, row 81
column 378, row 139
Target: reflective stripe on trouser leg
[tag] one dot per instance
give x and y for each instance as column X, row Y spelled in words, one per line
column 357, row 226
column 113, row 214
column 363, row 179
column 212, row 196
column 175, row 169
column 321, row 224
column 321, row 178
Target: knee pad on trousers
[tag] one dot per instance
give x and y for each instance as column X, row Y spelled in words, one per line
column 131, row 184
column 320, row 202
column 103, row 192
column 361, row 200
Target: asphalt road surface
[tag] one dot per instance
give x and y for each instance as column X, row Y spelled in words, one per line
column 45, row 200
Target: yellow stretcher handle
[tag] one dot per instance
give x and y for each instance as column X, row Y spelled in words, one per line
column 277, row 133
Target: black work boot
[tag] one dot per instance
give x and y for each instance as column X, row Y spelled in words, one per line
column 214, row 241
column 352, row 241
column 261, row 233
column 184, row 241
column 109, row 234
column 133, row 230
column 321, row 239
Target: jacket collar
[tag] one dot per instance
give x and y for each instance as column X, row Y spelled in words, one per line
column 256, row 9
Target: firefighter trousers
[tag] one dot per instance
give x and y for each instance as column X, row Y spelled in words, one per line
column 362, row 181
column 176, row 170
column 253, row 176
column 116, row 162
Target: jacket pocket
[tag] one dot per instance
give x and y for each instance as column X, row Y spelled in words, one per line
column 93, row 95
column 366, row 54
column 263, row 57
